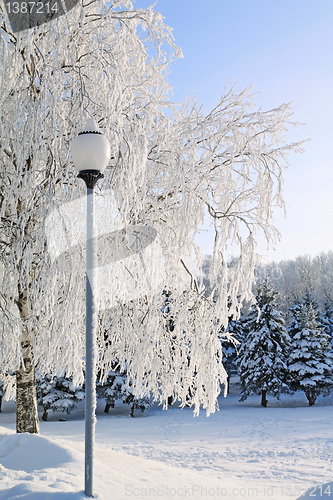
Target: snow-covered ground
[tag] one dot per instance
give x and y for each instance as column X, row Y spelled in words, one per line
column 242, row 451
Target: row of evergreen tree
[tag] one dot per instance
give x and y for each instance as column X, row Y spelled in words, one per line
column 274, row 354
column 60, row 395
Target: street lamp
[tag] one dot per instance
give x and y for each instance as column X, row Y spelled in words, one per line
column 90, row 155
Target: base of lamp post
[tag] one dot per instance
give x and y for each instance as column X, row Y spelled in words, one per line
column 90, row 177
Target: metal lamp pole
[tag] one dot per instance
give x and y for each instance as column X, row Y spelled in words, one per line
column 90, row 148
column 90, row 177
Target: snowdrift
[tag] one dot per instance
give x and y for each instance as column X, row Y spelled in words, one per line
column 36, row 467
column 242, row 451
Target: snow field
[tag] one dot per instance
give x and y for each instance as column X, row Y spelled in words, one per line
column 242, row 451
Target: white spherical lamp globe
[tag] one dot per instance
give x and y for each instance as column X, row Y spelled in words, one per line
column 91, row 149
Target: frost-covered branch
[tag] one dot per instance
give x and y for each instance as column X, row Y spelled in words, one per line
column 174, row 165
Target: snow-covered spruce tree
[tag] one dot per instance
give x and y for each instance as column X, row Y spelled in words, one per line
column 326, row 321
column 174, row 165
column 110, row 390
column 136, row 402
column 231, row 340
column 262, row 361
column 57, row 394
column 310, row 360
column 117, row 388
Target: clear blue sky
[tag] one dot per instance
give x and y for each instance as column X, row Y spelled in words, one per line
column 284, row 49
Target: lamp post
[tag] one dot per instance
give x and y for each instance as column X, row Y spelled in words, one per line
column 90, row 155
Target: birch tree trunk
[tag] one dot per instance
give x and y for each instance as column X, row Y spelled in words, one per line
column 26, row 398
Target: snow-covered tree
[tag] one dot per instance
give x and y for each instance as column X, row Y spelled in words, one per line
column 57, row 394
column 262, row 361
column 310, row 360
column 118, row 388
column 174, row 165
column 325, row 319
column 305, row 275
column 231, row 340
column 136, row 402
column 111, row 390
column 324, row 264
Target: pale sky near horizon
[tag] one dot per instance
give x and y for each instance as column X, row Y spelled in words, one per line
column 284, row 50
